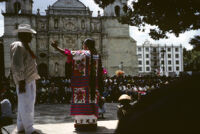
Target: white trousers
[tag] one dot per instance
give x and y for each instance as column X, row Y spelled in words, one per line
column 26, row 102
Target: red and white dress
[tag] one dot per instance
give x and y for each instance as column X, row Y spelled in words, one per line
column 84, row 111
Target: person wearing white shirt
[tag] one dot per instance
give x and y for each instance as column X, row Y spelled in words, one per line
column 24, row 71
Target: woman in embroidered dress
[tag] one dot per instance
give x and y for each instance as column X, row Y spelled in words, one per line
column 86, row 83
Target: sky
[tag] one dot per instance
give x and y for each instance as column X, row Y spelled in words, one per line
column 140, row 37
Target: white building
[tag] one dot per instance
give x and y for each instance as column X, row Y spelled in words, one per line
column 154, row 58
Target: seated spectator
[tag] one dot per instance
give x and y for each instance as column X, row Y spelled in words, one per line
column 5, row 110
column 102, row 107
column 124, row 106
column 68, row 92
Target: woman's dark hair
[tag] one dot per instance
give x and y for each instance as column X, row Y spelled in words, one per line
column 90, row 43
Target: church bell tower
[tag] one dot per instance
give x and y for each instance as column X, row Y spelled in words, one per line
column 19, row 6
column 116, row 9
column 17, row 12
column 121, row 45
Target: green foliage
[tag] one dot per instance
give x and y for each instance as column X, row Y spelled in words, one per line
column 103, row 3
column 195, row 42
column 170, row 16
column 191, row 60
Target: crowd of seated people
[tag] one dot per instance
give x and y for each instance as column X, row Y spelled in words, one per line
column 54, row 90
column 57, row 90
column 135, row 86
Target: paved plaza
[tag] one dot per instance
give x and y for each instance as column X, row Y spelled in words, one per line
column 55, row 119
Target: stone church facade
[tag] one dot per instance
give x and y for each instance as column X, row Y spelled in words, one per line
column 70, row 22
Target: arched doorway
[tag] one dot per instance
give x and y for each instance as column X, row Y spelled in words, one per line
column 43, row 70
column 68, row 70
column 117, row 11
column 17, row 8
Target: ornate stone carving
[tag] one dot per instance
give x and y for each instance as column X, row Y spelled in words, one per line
column 42, row 25
column 70, row 24
column 70, row 43
column 42, row 44
column 95, row 26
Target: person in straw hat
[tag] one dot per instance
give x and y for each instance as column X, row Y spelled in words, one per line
column 124, row 106
column 24, row 72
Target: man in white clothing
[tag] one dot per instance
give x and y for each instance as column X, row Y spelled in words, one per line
column 24, row 70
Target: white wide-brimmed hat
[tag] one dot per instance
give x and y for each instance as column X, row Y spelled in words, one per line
column 25, row 28
column 124, row 97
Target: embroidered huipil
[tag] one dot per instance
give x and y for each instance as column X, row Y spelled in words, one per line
column 81, row 103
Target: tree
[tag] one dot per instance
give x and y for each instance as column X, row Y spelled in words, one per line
column 3, row 0
column 191, row 60
column 168, row 16
column 103, row 3
column 195, row 42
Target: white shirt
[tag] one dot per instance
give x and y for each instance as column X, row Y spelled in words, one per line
column 23, row 66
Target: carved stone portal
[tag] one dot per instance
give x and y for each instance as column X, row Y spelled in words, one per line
column 69, row 26
column 42, row 44
column 70, row 43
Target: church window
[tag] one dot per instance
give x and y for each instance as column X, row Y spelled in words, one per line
column 56, row 23
column 83, row 24
column 17, row 7
column 95, row 26
column 56, row 67
column 117, row 11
